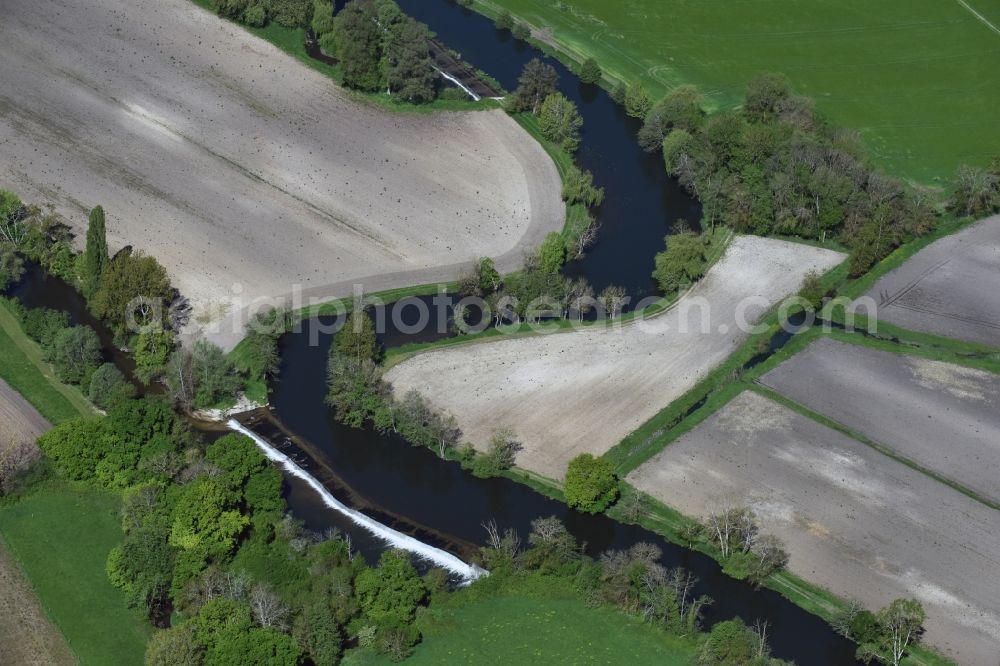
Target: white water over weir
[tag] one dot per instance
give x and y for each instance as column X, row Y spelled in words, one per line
column 441, row 558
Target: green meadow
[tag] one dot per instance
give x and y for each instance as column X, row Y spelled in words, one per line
column 916, row 77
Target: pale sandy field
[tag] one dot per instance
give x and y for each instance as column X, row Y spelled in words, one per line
column 950, row 288
column 942, row 416
column 245, row 172
column 853, row 520
column 583, row 391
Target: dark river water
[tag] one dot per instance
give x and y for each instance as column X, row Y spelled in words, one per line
column 410, row 488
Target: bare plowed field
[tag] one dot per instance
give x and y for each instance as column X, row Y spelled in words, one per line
column 853, row 520
column 950, row 288
column 944, row 417
column 583, row 391
column 244, row 171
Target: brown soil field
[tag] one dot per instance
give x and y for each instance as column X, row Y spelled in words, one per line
column 854, row 521
column 950, row 288
column 245, row 172
column 583, row 391
column 942, row 416
column 27, row 638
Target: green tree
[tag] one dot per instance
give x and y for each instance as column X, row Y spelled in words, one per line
column 637, row 101
column 215, row 376
column 590, row 71
column 618, row 93
column 174, row 647
column 408, row 60
column 537, row 81
column 552, row 253
column 812, row 290
column 95, row 257
column 680, row 109
column 489, row 276
column 356, row 338
column 235, row 646
column 504, row 21
column 75, row 354
column 390, row 593
column 355, row 389
column 206, row 519
column 358, row 42
column 322, row 19
column 578, row 187
column 521, row 31
column 11, row 266
column 142, row 567
column 151, row 351
column 764, row 94
column 134, row 291
column 108, row 385
column 682, row 263
column 560, row 122
column 316, row 630
column 898, row 626
column 733, row 643
column 75, row 447
column 591, row 484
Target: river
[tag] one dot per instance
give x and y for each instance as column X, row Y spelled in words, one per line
column 409, row 488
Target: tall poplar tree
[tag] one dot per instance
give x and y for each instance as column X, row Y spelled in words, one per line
column 95, row 257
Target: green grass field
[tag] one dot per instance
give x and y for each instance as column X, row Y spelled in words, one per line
column 916, row 77
column 61, row 536
column 22, row 367
column 515, row 628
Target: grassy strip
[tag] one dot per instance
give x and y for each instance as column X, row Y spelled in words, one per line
column 343, row 305
column 61, row 535
column 292, row 41
column 24, row 369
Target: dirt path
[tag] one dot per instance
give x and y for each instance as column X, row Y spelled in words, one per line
column 950, row 288
column 854, row 521
column 245, row 172
column 583, row 391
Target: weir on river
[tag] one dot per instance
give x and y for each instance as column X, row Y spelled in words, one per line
column 393, row 538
